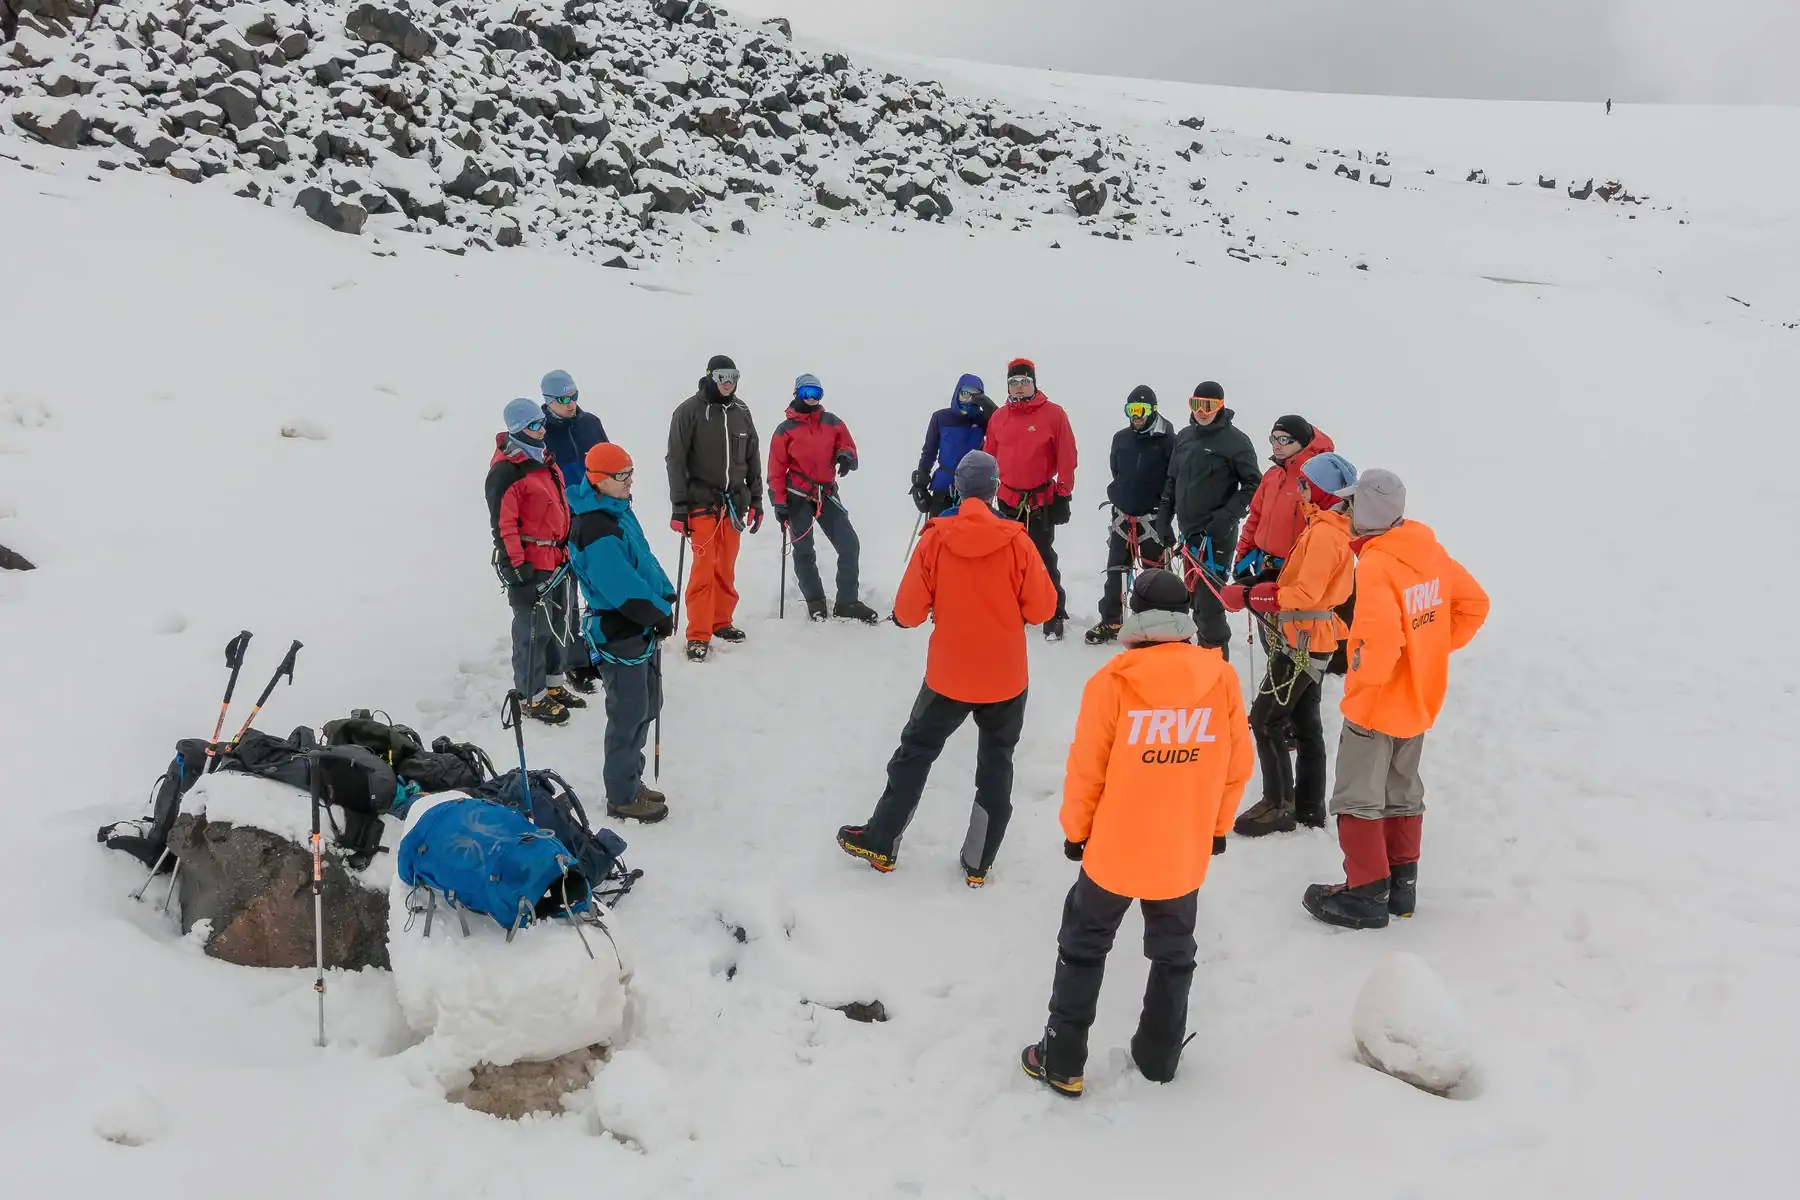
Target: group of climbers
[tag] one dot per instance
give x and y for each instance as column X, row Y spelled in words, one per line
column 1335, row 577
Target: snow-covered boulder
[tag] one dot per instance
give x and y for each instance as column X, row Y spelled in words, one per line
column 50, row 120
column 1407, row 1025
column 246, row 870
column 390, row 25
column 483, row 999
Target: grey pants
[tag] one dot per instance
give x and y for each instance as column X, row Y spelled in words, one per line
column 803, row 536
column 633, row 698
column 539, row 637
column 1377, row 775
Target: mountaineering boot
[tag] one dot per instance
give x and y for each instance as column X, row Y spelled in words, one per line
column 815, row 610
column 729, row 633
column 645, row 789
column 1104, row 632
column 547, row 709
column 585, row 680
column 975, row 876
column 1347, row 907
column 1053, row 629
column 1035, row 1059
column 697, row 651
column 1268, row 815
column 856, row 610
column 1311, row 815
column 850, row 840
column 565, row 697
column 1154, row 1061
column 640, row 808
column 1403, row 889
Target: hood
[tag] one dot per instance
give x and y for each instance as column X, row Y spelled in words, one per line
column 502, row 451
column 1156, row 625
column 1220, row 423
column 1170, row 675
column 808, row 416
column 584, row 497
column 1322, row 516
column 1410, row 542
column 1159, row 426
column 975, row 532
column 967, row 381
column 1321, row 444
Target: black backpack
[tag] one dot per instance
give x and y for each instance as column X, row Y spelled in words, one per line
column 146, row 840
column 393, row 743
column 555, row 806
column 447, row 767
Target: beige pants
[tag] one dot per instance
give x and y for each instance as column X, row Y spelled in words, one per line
column 1377, row 775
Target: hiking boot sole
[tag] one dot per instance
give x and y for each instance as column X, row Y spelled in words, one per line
column 1069, row 1089
column 649, row 818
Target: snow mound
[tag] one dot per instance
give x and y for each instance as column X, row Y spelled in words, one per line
column 482, row 999
column 1407, row 1025
column 283, row 810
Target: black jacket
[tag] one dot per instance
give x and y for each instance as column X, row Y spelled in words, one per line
column 713, row 451
column 1213, row 472
column 1140, row 467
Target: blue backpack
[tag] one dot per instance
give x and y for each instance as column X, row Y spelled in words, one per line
column 554, row 806
column 489, row 857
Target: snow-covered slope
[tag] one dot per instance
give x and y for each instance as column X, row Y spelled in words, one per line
column 1588, row 420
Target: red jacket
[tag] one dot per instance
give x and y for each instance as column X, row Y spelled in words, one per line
column 1276, row 521
column 527, row 508
column 1034, row 446
column 803, row 453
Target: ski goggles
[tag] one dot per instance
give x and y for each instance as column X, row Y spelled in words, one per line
column 811, row 393
column 1021, row 385
column 1139, row 410
column 571, row 398
column 1205, row 404
column 622, row 476
column 725, row 376
column 1282, row 439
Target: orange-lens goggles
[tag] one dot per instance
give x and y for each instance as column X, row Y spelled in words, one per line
column 1205, row 404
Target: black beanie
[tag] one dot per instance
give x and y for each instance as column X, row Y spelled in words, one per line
column 1209, row 391
column 1022, row 366
column 1159, row 590
column 1141, row 394
column 720, row 362
column 1298, row 428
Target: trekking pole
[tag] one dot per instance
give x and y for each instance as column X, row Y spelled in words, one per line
column 917, row 525
column 781, row 613
column 511, row 714
column 318, row 893
column 234, row 660
column 656, row 755
column 286, row 668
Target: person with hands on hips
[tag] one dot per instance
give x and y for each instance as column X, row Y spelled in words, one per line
column 1212, row 476
column 1031, row 440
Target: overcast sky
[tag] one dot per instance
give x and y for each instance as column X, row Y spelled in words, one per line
column 1692, row 51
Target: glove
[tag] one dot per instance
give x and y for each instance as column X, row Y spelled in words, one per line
column 522, row 587
column 987, row 406
column 678, row 521
column 1235, row 597
column 665, row 627
column 1218, row 846
column 921, row 490
column 1264, row 598
column 1073, row 850
column 754, row 518
column 1059, row 511
column 781, row 515
column 846, row 463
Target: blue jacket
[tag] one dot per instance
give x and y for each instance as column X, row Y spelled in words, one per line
column 952, row 434
column 569, row 441
column 625, row 588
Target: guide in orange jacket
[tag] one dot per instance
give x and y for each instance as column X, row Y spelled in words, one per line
column 1415, row 607
column 1031, row 440
column 1160, row 758
column 978, row 578
column 1300, row 630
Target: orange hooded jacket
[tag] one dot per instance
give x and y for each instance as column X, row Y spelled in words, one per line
column 1415, row 605
column 1161, row 755
column 1318, row 576
column 981, row 581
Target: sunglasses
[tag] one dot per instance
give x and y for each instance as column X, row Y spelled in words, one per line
column 967, row 395
column 809, row 392
column 1137, row 409
column 725, row 378
column 1282, row 439
column 536, row 426
column 1205, row 404
column 571, row 398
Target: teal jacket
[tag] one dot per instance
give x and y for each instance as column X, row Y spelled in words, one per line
column 626, row 590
